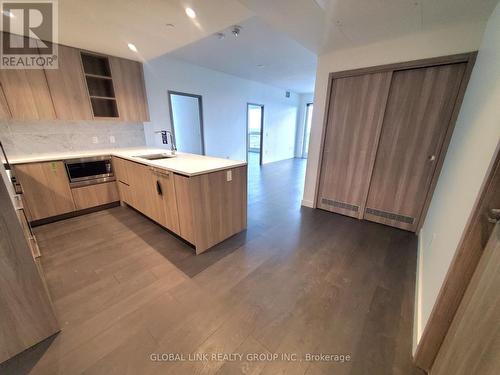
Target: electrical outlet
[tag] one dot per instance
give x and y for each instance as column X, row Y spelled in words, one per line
column 112, row 139
column 95, row 140
column 229, row 175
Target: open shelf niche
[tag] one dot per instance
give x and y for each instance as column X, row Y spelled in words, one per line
column 100, row 85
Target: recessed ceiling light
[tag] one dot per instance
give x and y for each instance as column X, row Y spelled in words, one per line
column 8, row 13
column 190, row 13
column 132, row 47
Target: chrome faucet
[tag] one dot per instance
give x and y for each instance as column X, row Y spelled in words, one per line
column 164, row 134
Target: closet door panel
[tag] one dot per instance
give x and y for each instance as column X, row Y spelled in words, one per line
column 417, row 117
column 355, row 117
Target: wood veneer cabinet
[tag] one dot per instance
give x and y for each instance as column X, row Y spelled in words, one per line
column 27, row 315
column 67, row 86
column 204, row 209
column 27, row 94
column 46, row 189
column 386, row 132
column 210, row 207
column 165, row 199
column 128, row 78
column 85, row 86
column 148, row 191
column 95, row 195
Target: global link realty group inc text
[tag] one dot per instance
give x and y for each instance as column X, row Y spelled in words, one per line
column 249, row 357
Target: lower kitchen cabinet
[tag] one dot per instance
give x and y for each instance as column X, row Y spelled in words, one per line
column 95, row 195
column 149, row 190
column 166, row 202
column 46, row 190
column 212, row 206
column 203, row 209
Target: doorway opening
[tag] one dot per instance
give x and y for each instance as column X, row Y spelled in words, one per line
column 255, row 128
column 307, row 130
column 186, row 117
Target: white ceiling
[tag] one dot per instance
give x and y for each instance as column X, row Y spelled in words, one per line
column 107, row 26
column 286, row 63
column 325, row 25
column 318, row 25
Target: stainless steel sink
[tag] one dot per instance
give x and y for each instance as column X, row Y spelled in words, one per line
column 155, row 156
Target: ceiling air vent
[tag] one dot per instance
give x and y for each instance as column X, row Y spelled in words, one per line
column 345, row 206
column 391, row 216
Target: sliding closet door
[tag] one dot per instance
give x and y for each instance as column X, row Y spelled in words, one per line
column 417, row 117
column 355, row 117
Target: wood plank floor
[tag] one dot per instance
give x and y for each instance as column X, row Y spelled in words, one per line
column 297, row 281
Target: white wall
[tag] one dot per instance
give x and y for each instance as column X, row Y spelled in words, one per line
column 304, row 100
column 471, row 150
column 433, row 43
column 225, row 98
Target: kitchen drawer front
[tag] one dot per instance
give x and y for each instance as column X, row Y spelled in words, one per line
column 95, row 195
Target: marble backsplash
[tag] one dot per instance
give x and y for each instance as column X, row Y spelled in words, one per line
column 22, row 138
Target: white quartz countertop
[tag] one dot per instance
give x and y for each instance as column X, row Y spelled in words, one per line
column 182, row 163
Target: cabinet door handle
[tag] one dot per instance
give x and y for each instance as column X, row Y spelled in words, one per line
column 158, row 188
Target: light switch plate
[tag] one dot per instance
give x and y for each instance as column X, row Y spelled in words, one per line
column 95, row 140
column 112, row 139
column 229, row 175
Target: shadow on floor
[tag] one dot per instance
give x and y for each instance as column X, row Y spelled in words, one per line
column 23, row 363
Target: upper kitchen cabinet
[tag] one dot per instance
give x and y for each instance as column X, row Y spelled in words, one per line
column 128, row 78
column 67, row 86
column 85, row 86
column 27, row 94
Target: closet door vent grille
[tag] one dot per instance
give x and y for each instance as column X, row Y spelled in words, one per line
column 337, row 204
column 390, row 216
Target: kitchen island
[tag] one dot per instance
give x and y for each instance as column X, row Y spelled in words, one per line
column 199, row 198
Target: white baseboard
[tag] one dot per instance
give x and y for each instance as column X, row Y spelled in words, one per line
column 417, row 314
column 307, row 203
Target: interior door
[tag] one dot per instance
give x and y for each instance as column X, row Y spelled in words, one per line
column 417, row 116
column 472, row 344
column 467, row 257
column 186, row 119
column 355, row 117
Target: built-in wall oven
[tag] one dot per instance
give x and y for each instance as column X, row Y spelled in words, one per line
column 89, row 171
